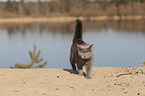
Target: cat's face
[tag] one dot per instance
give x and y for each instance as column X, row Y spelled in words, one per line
column 85, row 52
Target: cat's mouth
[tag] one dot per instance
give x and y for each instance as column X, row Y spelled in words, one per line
column 85, row 58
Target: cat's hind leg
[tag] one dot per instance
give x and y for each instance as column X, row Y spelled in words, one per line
column 73, row 66
column 72, row 61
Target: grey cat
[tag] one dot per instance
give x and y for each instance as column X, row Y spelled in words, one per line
column 81, row 52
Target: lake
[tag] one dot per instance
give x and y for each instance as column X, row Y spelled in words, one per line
column 116, row 43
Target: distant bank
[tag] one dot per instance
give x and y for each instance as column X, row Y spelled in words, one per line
column 66, row 19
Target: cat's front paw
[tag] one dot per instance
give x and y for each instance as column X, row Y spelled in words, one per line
column 88, row 77
column 80, row 72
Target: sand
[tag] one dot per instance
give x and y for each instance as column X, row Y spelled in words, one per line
column 61, row 82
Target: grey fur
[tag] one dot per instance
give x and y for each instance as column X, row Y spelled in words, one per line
column 81, row 52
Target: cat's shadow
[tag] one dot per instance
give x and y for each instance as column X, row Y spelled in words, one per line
column 74, row 72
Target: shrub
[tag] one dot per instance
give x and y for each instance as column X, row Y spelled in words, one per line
column 34, row 59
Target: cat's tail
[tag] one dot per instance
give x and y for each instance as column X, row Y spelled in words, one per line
column 78, row 31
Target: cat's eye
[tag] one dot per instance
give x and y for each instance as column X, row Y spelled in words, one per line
column 81, row 53
column 88, row 53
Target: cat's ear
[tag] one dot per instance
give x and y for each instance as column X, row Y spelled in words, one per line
column 78, row 46
column 91, row 47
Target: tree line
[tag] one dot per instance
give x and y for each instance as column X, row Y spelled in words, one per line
column 85, row 8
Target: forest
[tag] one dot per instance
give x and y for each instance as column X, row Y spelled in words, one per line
column 75, row 8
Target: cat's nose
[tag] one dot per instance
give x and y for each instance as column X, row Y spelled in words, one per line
column 85, row 56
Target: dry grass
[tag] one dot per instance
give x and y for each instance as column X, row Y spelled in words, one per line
column 64, row 19
column 30, row 19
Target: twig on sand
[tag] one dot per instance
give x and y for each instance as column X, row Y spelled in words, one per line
column 131, row 73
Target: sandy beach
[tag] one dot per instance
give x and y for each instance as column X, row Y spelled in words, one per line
column 62, row 82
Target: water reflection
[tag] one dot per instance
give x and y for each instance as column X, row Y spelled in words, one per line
column 116, row 43
column 125, row 25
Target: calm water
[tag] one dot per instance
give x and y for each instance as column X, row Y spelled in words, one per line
column 116, row 43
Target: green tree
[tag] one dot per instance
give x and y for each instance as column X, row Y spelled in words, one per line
column 9, row 6
column 39, row 7
column 21, row 7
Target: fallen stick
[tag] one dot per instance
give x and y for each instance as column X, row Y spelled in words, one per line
column 131, row 73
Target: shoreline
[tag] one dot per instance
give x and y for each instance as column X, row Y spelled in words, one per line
column 61, row 82
column 66, row 19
